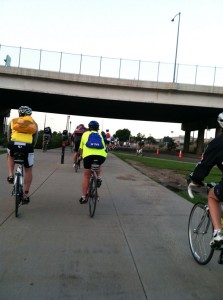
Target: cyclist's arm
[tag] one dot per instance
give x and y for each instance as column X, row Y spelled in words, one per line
column 9, row 132
column 204, row 167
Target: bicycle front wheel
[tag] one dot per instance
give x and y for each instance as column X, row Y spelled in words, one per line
column 200, row 230
column 92, row 196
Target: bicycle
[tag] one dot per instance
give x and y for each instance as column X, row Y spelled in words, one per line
column 17, row 190
column 92, row 193
column 200, row 230
column 139, row 152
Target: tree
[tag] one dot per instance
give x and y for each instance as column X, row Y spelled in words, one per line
column 123, row 135
column 151, row 140
column 140, row 137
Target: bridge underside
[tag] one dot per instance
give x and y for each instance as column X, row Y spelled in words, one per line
column 191, row 118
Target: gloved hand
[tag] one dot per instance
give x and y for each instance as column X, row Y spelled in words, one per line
column 195, row 182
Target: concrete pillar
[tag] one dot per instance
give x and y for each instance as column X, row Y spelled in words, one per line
column 1, row 125
column 186, row 148
column 200, row 141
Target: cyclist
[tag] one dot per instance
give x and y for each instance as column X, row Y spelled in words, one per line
column 140, row 146
column 77, row 135
column 212, row 156
column 22, row 136
column 65, row 137
column 89, row 154
column 47, row 135
column 105, row 140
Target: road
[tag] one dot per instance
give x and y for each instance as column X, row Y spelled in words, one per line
column 135, row 247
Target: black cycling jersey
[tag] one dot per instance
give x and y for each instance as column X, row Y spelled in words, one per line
column 212, row 156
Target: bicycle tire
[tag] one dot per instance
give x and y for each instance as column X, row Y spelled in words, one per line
column 92, row 196
column 17, row 194
column 200, row 230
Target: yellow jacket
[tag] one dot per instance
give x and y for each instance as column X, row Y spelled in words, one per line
column 22, row 129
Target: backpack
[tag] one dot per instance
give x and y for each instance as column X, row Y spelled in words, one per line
column 65, row 132
column 24, row 125
column 95, row 141
column 79, row 130
column 108, row 135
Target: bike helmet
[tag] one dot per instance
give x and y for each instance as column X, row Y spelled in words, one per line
column 25, row 111
column 220, row 119
column 94, row 125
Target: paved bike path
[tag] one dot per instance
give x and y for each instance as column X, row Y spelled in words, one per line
column 135, row 247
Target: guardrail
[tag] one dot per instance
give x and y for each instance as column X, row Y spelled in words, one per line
column 109, row 67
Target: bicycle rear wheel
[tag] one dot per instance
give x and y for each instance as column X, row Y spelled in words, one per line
column 76, row 165
column 200, row 230
column 17, row 194
column 92, row 196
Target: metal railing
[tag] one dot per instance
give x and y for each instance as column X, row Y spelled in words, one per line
column 109, row 67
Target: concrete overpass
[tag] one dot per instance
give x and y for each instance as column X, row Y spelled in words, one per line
column 194, row 106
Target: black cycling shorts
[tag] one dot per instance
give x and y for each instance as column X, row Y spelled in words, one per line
column 25, row 148
column 218, row 190
column 88, row 160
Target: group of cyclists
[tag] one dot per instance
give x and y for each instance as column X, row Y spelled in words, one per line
column 23, row 133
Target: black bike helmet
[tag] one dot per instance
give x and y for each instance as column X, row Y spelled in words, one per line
column 93, row 125
column 24, row 111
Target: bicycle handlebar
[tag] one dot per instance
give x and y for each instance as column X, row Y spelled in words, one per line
column 206, row 185
column 189, row 189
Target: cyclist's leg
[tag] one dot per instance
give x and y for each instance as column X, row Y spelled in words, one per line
column 28, row 164
column 215, row 209
column 101, row 160
column 76, row 147
column 10, row 161
column 85, row 181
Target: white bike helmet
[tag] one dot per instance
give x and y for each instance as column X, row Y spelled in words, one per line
column 220, row 119
column 24, row 111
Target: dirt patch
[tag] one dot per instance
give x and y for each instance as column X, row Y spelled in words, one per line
column 171, row 179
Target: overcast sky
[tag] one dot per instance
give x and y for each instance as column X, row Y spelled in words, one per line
column 131, row 29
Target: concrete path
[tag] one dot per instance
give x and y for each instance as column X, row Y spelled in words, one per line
column 136, row 246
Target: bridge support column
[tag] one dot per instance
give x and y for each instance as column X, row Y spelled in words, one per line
column 186, row 141
column 2, row 124
column 3, row 115
column 200, row 142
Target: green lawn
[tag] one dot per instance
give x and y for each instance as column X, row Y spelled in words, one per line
column 184, row 168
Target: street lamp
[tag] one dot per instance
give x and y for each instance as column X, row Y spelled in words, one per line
column 175, row 63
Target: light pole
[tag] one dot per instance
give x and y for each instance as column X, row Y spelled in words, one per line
column 175, row 63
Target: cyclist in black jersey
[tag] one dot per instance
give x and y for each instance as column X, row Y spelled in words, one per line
column 213, row 156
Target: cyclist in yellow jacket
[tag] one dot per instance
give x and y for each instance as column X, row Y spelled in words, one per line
column 22, row 137
column 89, row 154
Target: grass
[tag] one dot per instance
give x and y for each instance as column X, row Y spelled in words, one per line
column 184, row 168
column 2, row 151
